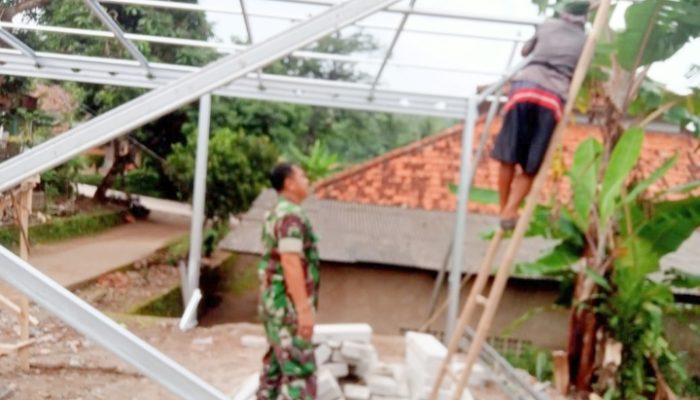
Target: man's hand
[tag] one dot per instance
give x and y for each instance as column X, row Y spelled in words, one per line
column 306, row 323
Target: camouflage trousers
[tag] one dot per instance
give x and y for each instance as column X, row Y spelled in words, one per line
column 289, row 367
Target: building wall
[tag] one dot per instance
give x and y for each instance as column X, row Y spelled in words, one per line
column 391, row 299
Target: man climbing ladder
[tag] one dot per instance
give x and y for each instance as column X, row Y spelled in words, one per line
column 535, row 105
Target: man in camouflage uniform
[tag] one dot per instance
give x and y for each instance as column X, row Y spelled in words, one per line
column 289, row 277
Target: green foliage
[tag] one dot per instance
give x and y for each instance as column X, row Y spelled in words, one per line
column 584, row 180
column 59, row 181
column 144, row 181
column 168, row 305
column 318, row 164
column 675, row 22
column 478, row 195
column 62, row 228
column 624, row 157
column 238, row 165
column 629, row 301
column 682, row 279
column 538, row 362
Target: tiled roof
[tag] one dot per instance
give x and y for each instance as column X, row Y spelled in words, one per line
column 418, row 175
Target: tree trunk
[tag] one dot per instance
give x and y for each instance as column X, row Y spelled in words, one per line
column 117, row 168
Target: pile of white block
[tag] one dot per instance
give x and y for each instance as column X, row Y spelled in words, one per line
column 349, row 367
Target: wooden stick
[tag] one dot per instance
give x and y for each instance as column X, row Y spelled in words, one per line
column 25, row 207
column 9, row 348
column 504, row 270
column 561, row 371
column 4, row 301
column 466, row 314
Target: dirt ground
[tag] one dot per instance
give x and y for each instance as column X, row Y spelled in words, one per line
column 65, row 365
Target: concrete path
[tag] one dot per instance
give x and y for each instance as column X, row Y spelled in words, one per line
column 78, row 260
column 159, row 206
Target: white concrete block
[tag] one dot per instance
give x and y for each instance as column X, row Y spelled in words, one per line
column 479, row 376
column 363, row 367
column 382, row 385
column 338, row 370
column 443, row 394
column 254, row 342
column 389, row 398
column 342, row 332
column 327, row 386
column 248, row 389
column 337, row 356
column 354, row 351
column 426, row 347
column 322, row 354
column 356, row 392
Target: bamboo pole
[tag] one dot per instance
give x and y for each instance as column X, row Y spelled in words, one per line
column 504, row 270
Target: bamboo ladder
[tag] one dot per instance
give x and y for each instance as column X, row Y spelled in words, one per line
column 20, row 199
column 476, row 295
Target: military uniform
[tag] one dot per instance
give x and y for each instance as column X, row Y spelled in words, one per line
column 288, row 367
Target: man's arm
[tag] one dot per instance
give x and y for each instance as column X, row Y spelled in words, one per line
column 529, row 46
column 291, row 248
column 296, row 288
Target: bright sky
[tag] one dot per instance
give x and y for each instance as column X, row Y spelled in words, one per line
column 487, row 57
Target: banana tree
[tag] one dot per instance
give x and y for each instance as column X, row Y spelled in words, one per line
column 613, row 232
column 612, row 236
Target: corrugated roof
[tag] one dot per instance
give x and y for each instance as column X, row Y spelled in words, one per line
column 357, row 233
column 402, row 237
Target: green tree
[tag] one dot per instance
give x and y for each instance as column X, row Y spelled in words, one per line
column 159, row 135
column 238, row 167
column 318, row 163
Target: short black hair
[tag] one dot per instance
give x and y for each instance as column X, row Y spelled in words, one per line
column 279, row 175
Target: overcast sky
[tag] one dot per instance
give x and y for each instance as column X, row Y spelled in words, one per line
column 485, row 57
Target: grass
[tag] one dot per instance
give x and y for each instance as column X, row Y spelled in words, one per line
column 238, row 280
column 63, row 228
column 167, row 305
column 177, row 249
column 538, row 362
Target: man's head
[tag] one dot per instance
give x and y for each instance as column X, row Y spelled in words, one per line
column 574, row 10
column 290, row 181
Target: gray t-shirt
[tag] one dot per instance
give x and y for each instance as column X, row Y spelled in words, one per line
column 556, row 48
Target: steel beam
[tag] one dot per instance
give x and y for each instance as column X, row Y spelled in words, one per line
column 465, row 168
column 437, row 13
column 112, row 25
column 17, row 44
column 231, row 48
column 390, row 50
column 198, row 199
column 282, row 17
column 170, row 97
column 278, row 88
column 249, row 32
column 102, row 330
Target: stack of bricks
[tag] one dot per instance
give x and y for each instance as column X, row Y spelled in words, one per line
column 349, row 367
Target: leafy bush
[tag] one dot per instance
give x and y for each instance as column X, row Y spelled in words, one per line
column 237, row 170
column 536, row 361
column 145, row 181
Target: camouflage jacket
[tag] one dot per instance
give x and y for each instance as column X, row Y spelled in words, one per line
column 287, row 229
